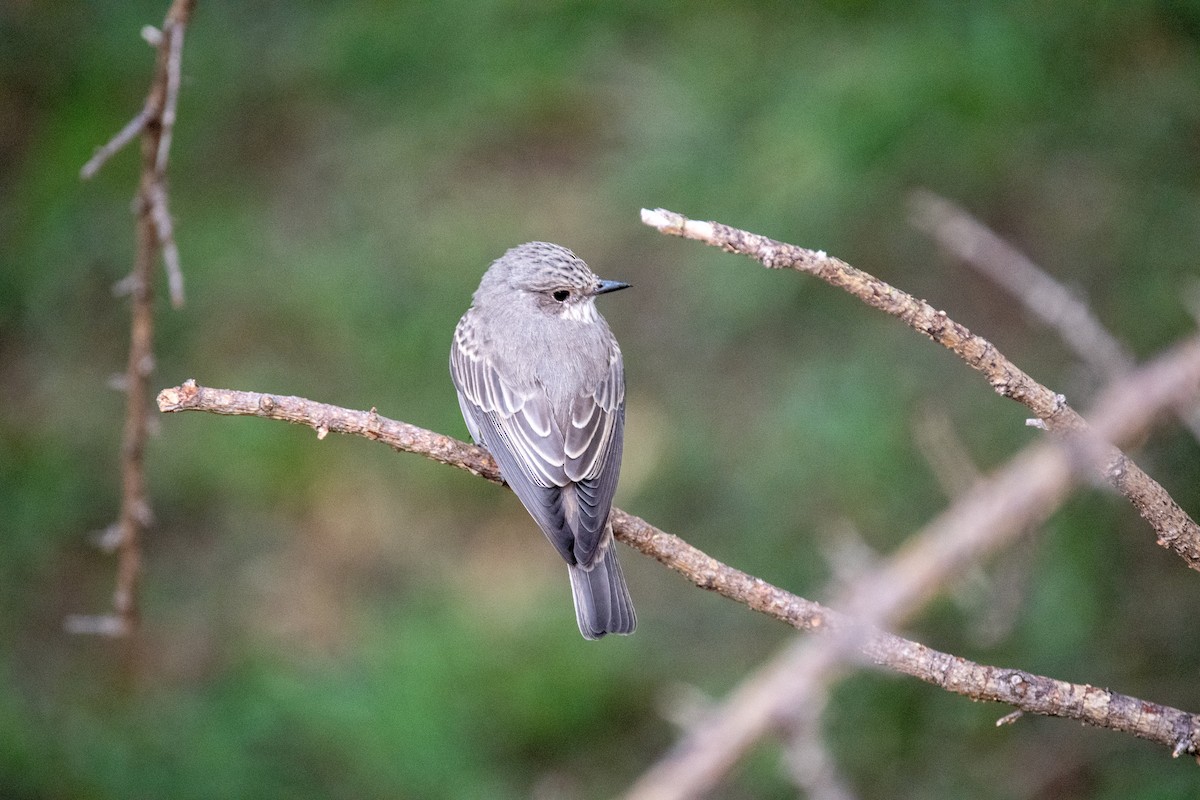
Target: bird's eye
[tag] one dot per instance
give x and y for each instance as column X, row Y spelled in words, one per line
column 561, row 295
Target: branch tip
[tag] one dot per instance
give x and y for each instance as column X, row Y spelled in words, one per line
column 1189, row 744
column 1009, row 719
column 177, row 397
column 107, row 540
column 660, row 218
column 675, row 224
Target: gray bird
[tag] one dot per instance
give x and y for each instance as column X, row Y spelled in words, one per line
column 541, row 386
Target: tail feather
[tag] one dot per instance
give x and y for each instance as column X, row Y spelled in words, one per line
column 602, row 602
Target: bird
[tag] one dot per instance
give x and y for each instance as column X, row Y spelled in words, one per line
column 541, row 386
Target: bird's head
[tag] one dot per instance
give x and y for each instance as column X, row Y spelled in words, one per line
column 552, row 278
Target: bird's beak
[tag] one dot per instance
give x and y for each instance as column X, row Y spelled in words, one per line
column 611, row 286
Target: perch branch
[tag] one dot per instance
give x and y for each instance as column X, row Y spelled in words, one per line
column 1177, row 730
column 1174, row 528
column 990, row 515
column 154, row 122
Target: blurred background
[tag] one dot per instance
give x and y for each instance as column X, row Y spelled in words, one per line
column 327, row 619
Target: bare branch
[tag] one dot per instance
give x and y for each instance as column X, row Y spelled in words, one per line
column 1041, row 695
column 1174, row 528
column 165, row 231
column 980, row 248
column 990, row 515
column 110, row 148
column 157, row 121
column 154, row 235
column 173, row 29
column 324, row 418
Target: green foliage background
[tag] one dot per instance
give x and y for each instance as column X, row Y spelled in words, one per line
column 329, row 620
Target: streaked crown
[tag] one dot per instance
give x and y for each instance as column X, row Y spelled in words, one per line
column 541, row 267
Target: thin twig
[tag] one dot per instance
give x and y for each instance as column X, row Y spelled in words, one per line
column 113, row 145
column 1174, row 528
column 173, row 30
column 165, row 231
column 1102, row 708
column 154, row 236
column 157, row 121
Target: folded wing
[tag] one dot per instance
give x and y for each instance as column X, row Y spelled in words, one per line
column 563, row 468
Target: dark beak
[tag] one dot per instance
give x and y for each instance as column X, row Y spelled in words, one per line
column 611, row 286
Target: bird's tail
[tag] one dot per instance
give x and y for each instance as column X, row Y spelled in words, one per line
column 602, row 602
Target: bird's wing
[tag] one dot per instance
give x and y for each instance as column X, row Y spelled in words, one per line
column 518, row 428
column 593, row 445
column 564, row 475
